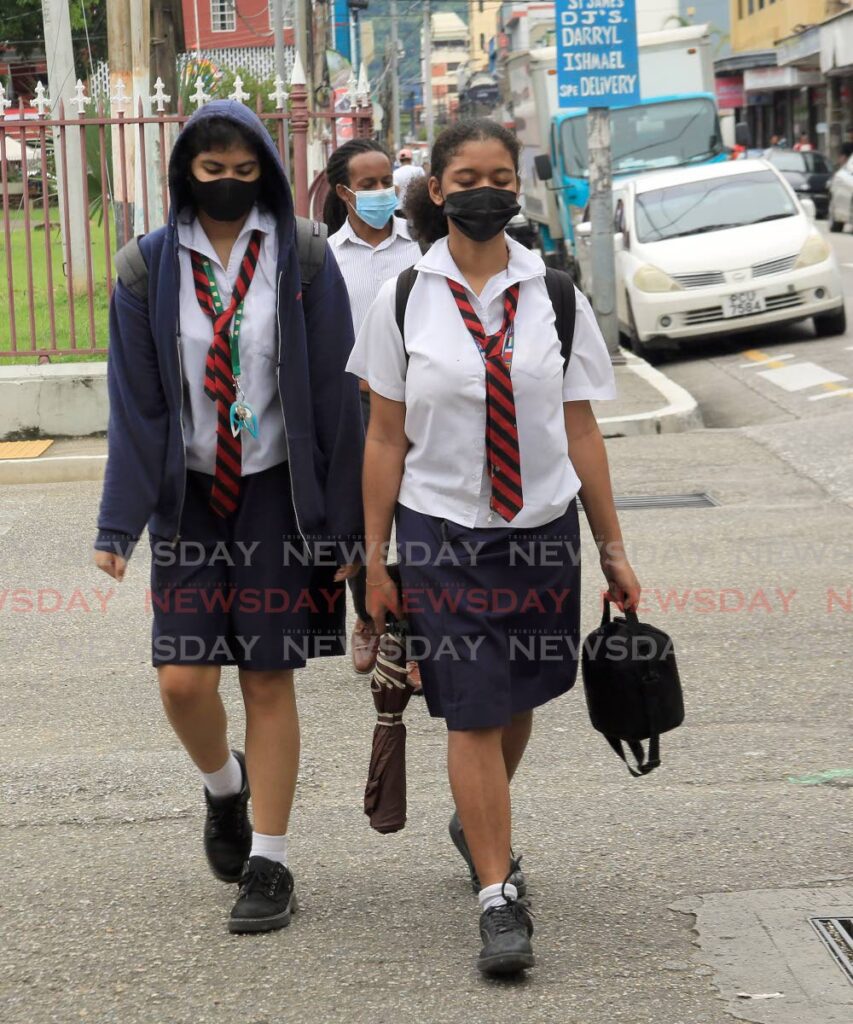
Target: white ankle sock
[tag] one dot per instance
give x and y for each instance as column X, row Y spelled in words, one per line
column 497, row 895
column 228, row 781
column 271, row 847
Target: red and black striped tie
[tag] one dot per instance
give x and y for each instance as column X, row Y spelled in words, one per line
column 502, row 455
column 219, row 378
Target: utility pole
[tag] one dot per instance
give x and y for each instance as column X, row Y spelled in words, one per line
column 395, row 78
column 601, row 222
column 427, row 58
column 121, row 83
column 278, row 39
column 167, row 41
column 61, row 78
column 144, row 176
column 303, row 20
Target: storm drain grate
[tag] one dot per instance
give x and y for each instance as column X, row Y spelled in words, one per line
column 837, row 936
column 700, row 499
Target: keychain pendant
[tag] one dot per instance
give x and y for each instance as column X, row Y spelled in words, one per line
column 243, row 418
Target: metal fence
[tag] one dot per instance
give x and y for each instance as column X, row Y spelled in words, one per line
column 56, row 267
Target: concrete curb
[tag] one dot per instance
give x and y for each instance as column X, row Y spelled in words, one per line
column 679, row 412
column 52, row 470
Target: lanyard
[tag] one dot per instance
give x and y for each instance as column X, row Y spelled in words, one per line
column 236, row 323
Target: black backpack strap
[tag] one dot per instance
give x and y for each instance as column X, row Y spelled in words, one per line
column 561, row 292
column 132, row 270
column 311, row 238
column 405, row 284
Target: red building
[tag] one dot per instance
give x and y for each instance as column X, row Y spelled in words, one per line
column 212, row 25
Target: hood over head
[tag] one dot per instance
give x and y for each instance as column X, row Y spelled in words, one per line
column 275, row 188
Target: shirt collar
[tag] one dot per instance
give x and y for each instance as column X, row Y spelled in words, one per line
column 191, row 235
column 399, row 231
column 524, row 265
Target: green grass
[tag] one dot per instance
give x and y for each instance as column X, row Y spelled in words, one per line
column 35, row 338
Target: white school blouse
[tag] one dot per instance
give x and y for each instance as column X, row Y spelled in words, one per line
column 258, row 346
column 443, row 387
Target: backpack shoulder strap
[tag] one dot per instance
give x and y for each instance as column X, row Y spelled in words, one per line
column 405, row 284
column 132, row 270
column 561, row 292
column 311, row 238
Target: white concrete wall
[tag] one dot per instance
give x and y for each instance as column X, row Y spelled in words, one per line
column 63, row 400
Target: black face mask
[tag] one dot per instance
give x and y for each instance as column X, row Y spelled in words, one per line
column 225, row 198
column 481, row 213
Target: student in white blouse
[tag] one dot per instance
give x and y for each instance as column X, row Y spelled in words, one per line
column 479, row 442
column 370, row 245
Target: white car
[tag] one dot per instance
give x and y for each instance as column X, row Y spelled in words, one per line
column 713, row 250
column 841, row 197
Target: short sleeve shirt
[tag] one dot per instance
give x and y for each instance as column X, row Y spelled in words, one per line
column 440, row 375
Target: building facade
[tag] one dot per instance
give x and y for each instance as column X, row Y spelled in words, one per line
column 236, row 35
column 450, row 53
column 482, row 26
column 781, row 101
column 759, row 24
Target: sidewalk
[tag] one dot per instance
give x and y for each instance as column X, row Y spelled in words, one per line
column 648, row 403
column 111, row 915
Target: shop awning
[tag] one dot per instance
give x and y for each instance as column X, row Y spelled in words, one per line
column 836, row 43
column 801, row 49
column 772, row 79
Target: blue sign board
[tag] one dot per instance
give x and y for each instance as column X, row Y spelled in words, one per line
column 597, row 58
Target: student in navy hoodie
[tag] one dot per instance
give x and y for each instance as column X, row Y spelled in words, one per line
column 236, row 436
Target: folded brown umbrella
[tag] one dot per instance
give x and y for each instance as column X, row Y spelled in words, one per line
column 385, row 793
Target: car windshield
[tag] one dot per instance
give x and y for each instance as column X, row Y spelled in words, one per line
column 787, row 160
column 646, row 137
column 714, row 204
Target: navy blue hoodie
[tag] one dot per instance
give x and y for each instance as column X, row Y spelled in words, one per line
column 146, row 467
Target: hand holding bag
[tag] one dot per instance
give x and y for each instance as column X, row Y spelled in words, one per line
column 633, row 692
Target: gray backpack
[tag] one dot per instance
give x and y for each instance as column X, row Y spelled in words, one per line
column 132, row 270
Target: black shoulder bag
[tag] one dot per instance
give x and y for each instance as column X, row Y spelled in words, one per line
column 633, row 692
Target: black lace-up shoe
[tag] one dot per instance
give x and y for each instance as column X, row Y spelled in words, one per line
column 506, row 932
column 227, row 832
column 516, row 876
column 266, row 899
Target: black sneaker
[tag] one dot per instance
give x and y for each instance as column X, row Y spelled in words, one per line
column 516, row 876
column 227, row 832
column 506, row 932
column 266, row 899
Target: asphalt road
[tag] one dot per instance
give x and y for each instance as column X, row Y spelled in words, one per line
column 110, row 915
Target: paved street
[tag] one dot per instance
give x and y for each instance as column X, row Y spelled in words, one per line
column 110, row 914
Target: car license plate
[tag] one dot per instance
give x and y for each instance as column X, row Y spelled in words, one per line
column 743, row 304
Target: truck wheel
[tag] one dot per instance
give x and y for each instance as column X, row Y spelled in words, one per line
column 827, row 325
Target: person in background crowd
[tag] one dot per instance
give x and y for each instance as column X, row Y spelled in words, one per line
column 370, row 245
column 480, row 439
column 803, row 145
column 405, row 174
column 218, row 451
column 775, row 141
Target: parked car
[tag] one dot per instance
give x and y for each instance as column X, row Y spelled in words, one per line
column 807, row 172
column 841, row 197
column 716, row 249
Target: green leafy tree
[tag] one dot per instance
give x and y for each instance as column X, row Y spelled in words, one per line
column 22, row 29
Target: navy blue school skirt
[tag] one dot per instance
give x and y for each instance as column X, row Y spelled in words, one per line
column 494, row 614
column 239, row 591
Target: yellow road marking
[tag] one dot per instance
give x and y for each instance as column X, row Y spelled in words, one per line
column 757, row 356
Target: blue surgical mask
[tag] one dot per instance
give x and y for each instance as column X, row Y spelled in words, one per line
column 377, row 206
